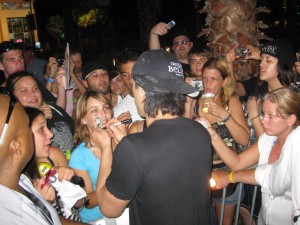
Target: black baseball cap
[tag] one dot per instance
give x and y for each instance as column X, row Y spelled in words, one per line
column 92, row 66
column 158, row 71
column 281, row 49
column 6, row 46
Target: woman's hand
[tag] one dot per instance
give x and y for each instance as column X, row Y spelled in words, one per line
column 230, row 55
column 47, row 191
column 61, row 77
column 46, row 110
column 221, row 178
column 252, row 107
column 254, row 53
column 217, row 110
column 101, row 138
column 64, row 173
column 51, row 67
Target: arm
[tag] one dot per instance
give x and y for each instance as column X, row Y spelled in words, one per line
column 237, row 125
column 88, row 187
column 223, row 178
column 233, row 160
column 253, row 112
column 110, row 205
column 58, row 157
column 78, row 82
column 61, row 91
column 158, row 30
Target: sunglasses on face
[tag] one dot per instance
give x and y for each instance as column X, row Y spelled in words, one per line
column 183, row 42
column 7, row 46
column 12, row 103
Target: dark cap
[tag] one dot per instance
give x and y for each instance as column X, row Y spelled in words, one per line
column 158, row 71
column 180, row 33
column 92, row 66
column 280, row 49
column 113, row 72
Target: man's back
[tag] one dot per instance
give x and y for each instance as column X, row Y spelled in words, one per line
column 166, row 171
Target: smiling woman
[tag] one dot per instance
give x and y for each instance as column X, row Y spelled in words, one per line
column 24, row 87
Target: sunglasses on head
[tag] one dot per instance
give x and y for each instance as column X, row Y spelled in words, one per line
column 12, row 103
column 6, row 46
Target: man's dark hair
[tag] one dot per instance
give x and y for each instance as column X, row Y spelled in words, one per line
column 127, row 56
column 170, row 103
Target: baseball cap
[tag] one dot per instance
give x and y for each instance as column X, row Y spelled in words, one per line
column 280, row 49
column 92, row 66
column 158, row 71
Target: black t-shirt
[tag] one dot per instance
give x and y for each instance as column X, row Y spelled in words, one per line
column 62, row 127
column 165, row 171
column 186, row 69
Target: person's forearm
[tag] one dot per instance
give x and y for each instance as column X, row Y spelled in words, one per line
column 61, row 97
column 244, row 176
column 257, row 125
column 240, row 134
column 154, row 42
column 104, row 171
column 78, row 82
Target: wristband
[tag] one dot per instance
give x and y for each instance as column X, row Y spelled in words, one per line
column 226, row 118
column 49, row 80
column 254, row 117
column 231, row 178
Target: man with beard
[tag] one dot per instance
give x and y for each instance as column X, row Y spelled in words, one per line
column 95, row 77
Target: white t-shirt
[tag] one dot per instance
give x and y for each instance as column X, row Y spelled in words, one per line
column 127, row 104
column 16, row 208
column 279, row 181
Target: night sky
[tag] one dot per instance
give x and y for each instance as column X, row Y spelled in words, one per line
column 124, row 16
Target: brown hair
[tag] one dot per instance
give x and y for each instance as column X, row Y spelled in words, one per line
column 82, row 133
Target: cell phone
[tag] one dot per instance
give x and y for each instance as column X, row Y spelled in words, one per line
column 171, row 24
column 98, row 122
column 241, row 52
column 49, row 177
column 198, row 84
column 60, row 62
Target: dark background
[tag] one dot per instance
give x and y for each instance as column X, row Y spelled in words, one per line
column 127, row 23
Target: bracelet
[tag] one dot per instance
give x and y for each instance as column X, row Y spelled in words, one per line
column 49, row 80
column 226, row 118
column 231, row 178
column 254, row 117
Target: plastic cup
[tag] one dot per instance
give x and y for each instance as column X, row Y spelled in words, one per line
column 206, row 99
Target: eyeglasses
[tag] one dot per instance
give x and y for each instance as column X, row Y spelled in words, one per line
column 6, row 46
column 12, row 102
column 183, row 42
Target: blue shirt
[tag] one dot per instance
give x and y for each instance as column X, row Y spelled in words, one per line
column 83, row 159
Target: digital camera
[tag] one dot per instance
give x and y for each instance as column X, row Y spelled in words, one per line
column 241, row 52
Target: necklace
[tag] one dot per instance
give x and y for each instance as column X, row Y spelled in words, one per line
column 93, row 150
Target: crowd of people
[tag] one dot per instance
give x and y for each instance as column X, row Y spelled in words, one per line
column 137, row 143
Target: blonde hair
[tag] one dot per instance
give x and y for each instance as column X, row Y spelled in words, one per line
column 221, row 65
column 287, row 102
column 82, row 133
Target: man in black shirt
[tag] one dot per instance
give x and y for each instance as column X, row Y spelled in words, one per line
column 162, row 173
